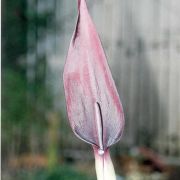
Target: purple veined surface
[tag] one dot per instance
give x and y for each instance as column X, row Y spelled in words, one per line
column 93, row 105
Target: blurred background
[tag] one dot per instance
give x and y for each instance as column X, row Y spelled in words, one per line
column 142, row 43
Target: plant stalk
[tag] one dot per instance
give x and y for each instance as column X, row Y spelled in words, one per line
column 103, row 165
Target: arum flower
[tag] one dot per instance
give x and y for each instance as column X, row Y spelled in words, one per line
column 93, row 106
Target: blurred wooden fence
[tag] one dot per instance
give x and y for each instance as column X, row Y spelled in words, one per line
column 142, row 43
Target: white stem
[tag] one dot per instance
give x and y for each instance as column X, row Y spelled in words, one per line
column 104, row 166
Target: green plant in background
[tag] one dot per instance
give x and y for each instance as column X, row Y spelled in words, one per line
column 53, row 139
column 18, row 115
column 58, row 173
column 14, row 109
column 24, row 104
